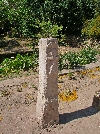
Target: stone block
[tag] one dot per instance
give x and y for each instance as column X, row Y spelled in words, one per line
column 47, row 99
column 96, row 100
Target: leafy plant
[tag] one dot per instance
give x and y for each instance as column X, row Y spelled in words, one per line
column 73, row 59
column 62, row 40
column 19, row 63
column 87, row 56
column 63, row 62
column 47, row 29
column 92, row 27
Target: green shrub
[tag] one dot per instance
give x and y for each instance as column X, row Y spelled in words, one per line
column 47, row 29
column 4, row 22
column 18, row 17
column 73, row 59
column 68, row 13
column 21, row 16
column 92, row 27
column 22, row 20
column 87, row 55
column 25, row 62
column 62, row 63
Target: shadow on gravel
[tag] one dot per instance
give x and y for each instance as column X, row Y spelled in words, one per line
column 67, row 117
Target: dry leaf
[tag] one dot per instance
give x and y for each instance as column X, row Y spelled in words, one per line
column 0, row 117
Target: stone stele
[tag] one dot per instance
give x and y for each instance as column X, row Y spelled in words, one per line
column 47, row 100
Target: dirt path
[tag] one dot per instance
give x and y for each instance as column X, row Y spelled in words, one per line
column 18, row 106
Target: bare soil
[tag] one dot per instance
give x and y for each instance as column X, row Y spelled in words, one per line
column 18, row 105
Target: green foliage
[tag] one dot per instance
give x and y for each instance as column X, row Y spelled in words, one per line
column 87, row 55
column 47, row 29
column 67, row 60
column 19, row 63
column 4, row 23
column 62, row 63
column 67, row 13
column 73, row 59
column 62, row 40
column 21, row 17
column 72, row 13
column 92, row 27
column 88, row 8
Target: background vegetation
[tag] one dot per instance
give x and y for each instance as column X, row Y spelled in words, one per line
column 45, row 18
column 25, row 18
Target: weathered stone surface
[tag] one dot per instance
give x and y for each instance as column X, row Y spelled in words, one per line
column 47, row 100
column 96, row 100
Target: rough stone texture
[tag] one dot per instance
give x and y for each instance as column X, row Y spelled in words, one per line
column 96, row 100
column 47, row 100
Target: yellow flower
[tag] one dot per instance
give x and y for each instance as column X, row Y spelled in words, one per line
column 68, row 96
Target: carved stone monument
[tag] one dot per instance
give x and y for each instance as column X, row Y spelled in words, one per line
column 47, row 99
